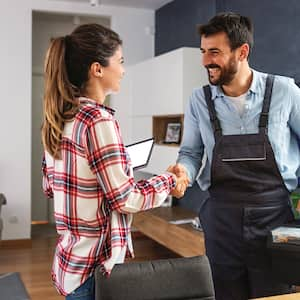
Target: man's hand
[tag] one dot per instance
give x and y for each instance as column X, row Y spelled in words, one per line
column 182, row 180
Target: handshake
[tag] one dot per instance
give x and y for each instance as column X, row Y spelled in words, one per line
column 182, row 181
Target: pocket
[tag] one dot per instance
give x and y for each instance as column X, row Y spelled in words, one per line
column 247, row 152
column 258, row 221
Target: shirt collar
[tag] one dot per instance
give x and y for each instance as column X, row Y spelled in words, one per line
column 217, row 92
column 84, row 100
column 254, row 87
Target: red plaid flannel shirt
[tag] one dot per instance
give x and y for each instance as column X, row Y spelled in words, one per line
column 94, row 195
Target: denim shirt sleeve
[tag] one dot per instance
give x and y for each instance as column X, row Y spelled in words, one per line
column 294, row 120
column 191, row 150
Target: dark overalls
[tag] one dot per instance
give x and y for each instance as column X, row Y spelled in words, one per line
column 248, row 198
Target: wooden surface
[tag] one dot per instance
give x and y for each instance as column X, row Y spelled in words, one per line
column 24, row 243
column 182, row 239
column 295, row 296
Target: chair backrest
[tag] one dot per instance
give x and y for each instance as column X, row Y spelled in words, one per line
column 2, row 202
column 175, row 278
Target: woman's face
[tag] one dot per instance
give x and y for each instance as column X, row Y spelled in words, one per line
column 113, row 73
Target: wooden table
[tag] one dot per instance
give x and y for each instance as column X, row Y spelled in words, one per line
column 295, row 296
column 181, row 239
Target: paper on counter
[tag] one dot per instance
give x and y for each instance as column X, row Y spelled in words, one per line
column 181, row 221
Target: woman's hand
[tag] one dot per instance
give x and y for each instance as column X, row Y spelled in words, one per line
column 181, row 178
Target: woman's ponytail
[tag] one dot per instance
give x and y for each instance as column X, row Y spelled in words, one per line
column 60, row 103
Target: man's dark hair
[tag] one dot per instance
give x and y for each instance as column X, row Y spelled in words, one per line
column 239, row 29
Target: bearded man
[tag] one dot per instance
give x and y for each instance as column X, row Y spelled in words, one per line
column 246, row 123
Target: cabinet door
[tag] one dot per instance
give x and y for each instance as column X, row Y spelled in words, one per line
column 141, row 128
column 194, row 74
column 157, row 85
column 142, row 88
column 167, row 92
column 122, row 103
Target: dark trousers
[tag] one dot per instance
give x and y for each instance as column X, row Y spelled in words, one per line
column 250, row 283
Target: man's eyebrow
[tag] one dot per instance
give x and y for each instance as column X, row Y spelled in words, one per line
column 210, row 49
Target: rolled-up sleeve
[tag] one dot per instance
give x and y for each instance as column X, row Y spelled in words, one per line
column 108, row 160
column 192, row 147
column 294, row 120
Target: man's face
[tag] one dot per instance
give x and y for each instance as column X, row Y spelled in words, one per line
column 219, row 60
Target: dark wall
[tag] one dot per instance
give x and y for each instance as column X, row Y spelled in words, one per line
column 276, row 30
column 176, row 23
column 276, row 33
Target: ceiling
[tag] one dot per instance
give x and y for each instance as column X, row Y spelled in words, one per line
column 41, row 17
column 149, row 4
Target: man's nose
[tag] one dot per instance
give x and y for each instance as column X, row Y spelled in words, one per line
column 205, row 59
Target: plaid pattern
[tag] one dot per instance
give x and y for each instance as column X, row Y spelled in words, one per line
column 94, row 195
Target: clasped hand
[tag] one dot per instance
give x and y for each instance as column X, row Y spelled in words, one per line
column 182, row 180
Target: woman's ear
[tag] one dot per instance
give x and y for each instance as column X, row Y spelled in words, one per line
column 96, row 70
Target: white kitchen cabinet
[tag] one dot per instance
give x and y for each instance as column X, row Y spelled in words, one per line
column 160, row 86
column 163, row 84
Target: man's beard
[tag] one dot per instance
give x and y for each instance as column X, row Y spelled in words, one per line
column 227, row 73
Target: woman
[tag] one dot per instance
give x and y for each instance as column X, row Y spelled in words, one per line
column 86, row 168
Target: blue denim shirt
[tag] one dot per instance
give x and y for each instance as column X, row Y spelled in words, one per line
column 283, row 127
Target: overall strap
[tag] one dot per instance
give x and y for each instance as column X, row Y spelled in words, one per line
column 212, row 112
column 264, row 116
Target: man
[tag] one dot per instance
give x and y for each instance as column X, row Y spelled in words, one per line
column 247, row 124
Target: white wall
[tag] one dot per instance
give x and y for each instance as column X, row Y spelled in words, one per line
column 15, row 79
column 44, row 27
column 48, row 25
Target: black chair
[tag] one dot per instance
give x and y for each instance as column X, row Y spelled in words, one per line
column 2, row 202
column 175, row 278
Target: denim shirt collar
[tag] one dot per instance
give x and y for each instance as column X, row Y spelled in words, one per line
column 217, row 92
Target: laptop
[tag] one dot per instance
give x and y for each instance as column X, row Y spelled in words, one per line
column 140, row 153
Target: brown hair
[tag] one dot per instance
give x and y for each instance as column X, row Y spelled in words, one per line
column 67, row 64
